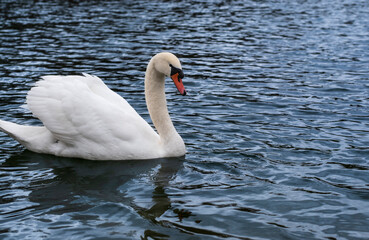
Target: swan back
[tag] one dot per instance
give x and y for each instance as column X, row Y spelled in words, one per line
column 88, row 120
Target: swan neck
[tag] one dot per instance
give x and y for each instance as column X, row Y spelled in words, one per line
column 157, row 104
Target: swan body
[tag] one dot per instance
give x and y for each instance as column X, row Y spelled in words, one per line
column 83, row 118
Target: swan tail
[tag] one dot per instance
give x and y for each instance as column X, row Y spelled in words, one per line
column 10, row 129
column 32, row 137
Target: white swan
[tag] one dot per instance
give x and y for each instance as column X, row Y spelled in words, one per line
column 83, row 118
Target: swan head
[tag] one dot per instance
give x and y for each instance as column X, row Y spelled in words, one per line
column 168, row 64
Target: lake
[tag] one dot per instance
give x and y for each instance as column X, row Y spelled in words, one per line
column 276, row 120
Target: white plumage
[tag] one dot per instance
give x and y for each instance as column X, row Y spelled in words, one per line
column 83, row 118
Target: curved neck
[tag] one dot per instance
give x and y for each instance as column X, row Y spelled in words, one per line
column 157, row 104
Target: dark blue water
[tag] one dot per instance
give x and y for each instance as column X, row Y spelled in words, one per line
column 276, row 121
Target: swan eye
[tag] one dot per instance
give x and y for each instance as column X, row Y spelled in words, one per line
column 178, row 71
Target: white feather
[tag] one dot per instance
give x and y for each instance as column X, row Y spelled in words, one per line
column 83, row 118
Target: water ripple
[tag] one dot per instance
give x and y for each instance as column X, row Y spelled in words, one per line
column 275, row 121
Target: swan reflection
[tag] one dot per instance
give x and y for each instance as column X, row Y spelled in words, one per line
column 86, row 191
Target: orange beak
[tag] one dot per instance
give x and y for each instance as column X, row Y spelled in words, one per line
column 179, row 84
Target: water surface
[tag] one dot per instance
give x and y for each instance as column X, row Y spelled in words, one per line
column 275, row 122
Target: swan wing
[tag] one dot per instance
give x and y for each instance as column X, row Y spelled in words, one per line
column 82, row 112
